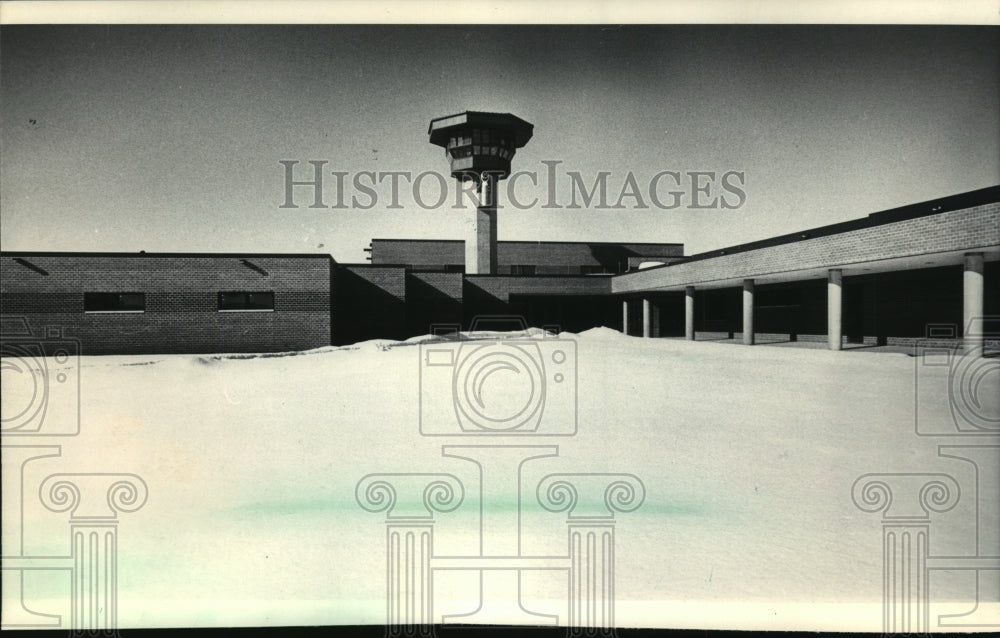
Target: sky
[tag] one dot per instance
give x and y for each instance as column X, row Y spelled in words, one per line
column 170, row 138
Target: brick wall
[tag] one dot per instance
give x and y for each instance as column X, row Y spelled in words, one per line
column 432, row 298
column 966, row 229
column 423, row 254
column 574, row 303
column 369, row 302
column 181, row 301
column 562, row 258
column 501, row 287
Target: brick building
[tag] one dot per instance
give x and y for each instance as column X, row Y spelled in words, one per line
column 526, row 257
column 127, row 303
column 887, row 278
column 124, row 303
column 411, row 286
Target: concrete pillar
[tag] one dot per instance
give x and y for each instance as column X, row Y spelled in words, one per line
column 973, row 301
column 647, row 324
column 481, row 241
column 748, row 288
column 834, row 314
column 624, row 316
column 689, row 313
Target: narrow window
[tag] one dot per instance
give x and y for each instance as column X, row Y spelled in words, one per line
column 522, row 270
column 114, row 302
column 242, row 301
column 593, row 270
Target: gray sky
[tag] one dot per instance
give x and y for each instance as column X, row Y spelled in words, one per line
column 168, row 138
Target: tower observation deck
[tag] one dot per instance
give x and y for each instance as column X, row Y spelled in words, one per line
column 480, row 147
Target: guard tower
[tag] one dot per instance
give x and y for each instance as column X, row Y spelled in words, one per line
column 480, row 146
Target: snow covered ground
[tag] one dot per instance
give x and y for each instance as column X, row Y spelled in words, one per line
column 747, row 455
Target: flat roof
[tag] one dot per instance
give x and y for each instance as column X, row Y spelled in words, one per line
column 439, row 126
column 57, row 253
column 530, row 241
column 988, row 195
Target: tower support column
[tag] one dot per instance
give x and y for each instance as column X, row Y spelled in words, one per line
column 481, row 243
column 479, row 146
column 625, row 316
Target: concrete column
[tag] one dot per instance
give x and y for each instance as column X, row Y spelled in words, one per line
column 481, row 241
column 748, row 288
column 834, row 323
column 647, row 323
column 624, row 316
column 973, row 301
column 689, row 313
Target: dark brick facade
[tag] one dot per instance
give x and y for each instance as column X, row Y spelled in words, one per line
column 547, row 257
column 369, row 302
column 181, row 300
column 573, row 303
column 391, row 302
column 433, row 299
